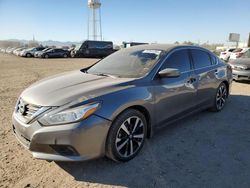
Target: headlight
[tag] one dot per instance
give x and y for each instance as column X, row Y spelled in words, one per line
column 69, row 115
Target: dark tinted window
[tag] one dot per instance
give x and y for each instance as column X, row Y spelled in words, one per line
column 231, row 50
column 178, row 60
column 59, row 50
column 214, row 59
column 100, row 45
column 201, row 59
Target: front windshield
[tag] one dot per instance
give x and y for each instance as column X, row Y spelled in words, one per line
column 46, row 49
column 246, row 55
column 78, row 47
column 127, row 63
column 50, row 50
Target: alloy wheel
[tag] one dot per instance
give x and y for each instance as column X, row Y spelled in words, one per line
column 130, row 136
column 221, row 97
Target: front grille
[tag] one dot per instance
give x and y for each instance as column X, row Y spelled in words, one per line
column 26, row 111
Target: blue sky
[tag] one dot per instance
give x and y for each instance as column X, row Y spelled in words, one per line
column 162, row 21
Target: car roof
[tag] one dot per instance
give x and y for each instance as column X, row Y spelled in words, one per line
column 163, row 47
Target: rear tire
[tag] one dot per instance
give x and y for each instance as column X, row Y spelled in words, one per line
column 28, row 55
column 126, row 136
column 65, row 56
column 220, row 98
column 46, row 56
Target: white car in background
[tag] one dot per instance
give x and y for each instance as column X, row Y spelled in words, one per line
column 225, row 55
column 238, row 53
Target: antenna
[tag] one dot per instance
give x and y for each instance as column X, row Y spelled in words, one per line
column 94, row 20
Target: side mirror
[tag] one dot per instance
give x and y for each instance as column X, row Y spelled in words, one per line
column 169, row 73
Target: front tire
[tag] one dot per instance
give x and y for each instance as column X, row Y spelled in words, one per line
column 220, row 98
column 28, row 55
column 46, row 56
column 126, row 136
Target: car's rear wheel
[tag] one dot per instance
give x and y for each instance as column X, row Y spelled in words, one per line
column 126, row 136
column 220, row 98
column 46, row 56
column 65, row 56
column 28, row 55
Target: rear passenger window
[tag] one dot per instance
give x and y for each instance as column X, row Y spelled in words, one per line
column 213, row 59
column 178, row 60
column 201, row 59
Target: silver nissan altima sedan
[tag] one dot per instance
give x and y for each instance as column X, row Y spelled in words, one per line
column 110, row 108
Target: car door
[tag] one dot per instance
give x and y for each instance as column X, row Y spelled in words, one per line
column 51, row 53
column 57, row 53
column 61, row 52
column 174, row 96
column 206, row 70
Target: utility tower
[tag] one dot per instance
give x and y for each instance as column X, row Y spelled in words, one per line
column 94, row 20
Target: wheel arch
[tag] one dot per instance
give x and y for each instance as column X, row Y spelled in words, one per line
column 146, row 114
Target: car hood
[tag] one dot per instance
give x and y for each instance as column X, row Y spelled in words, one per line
column 241, row 61
column 67, row 87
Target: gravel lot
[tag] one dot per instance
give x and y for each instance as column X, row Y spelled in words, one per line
column 205, row 150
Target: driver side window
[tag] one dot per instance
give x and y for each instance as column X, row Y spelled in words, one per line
column 178, row 60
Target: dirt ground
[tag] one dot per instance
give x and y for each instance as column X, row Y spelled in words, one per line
column 205, row 150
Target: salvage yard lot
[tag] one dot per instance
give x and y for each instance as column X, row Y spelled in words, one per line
column 205, row 150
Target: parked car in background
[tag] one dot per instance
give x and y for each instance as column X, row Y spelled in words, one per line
column 18, row 51
column 39, row 53
column 225, row 55
column 111, row 107
column 30, row 52
column 97, row 49
column 241, row 67
column 7, row 49
column 55, row 53
column 10, row 50
column 238, row 53
column 3, row 50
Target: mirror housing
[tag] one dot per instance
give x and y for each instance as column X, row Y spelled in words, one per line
column 169, row 73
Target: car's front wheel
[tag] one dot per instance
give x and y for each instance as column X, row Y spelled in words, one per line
column 28, row 55
column 126, row 136
column 220, row 98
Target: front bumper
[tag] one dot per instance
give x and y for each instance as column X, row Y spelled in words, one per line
column 73, row 142
column 241, row 74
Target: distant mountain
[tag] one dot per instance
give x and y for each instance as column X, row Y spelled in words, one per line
column 58, row 43
column 44, row 43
